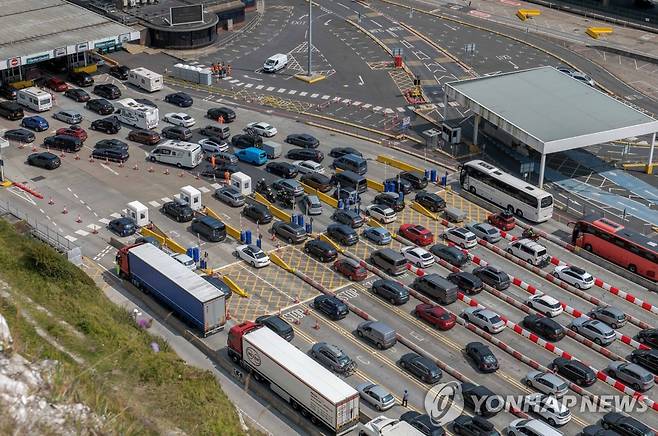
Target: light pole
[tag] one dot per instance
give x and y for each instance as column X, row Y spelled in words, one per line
column 310, row 33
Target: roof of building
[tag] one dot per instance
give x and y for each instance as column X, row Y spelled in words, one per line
column 34, row 26
column 550, row 111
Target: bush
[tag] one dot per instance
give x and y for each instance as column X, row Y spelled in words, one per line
column 50, row 264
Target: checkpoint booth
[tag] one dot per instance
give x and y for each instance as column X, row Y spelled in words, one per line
column 191, row 196
column 242, row 183
column 138, row 213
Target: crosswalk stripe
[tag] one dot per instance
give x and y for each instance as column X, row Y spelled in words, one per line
column 154, row 203
column 400, row 109
column 115, row 215
column 367, row 105
column 204, row 189
column 104, row 221
column 292, row 91
column 165, row 199
column 70, row 238
column 356, row 103
column 81, row 232
column 260, row 86
column 326, row 97
column 248, row 85
column 314, row 95
column 216, row 185
column 270, row 88
column 303, row 94
column 281, row 90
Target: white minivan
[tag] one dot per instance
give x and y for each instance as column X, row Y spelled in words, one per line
column 275, row 63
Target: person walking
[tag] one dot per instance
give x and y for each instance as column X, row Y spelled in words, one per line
column 405, row 398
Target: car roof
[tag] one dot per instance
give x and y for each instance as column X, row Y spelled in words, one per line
column 380, row 230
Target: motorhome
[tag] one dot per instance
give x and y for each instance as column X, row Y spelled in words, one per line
column 145, row 79
column 136, row 114
column 180, row 153
column 35, row 99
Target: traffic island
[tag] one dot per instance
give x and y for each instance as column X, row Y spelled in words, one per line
column 310, row 79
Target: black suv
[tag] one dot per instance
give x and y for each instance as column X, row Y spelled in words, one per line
column 331, row 306
column 493, row 276
column 120, row 72
column 320, row 250
column 277, row 325
column 110, row 154
column 391, row 290
column 625, row 425
column 81, row 79
column 348, row 217
column 452, row 255
column 391, row 200
column 303, row 140
column 77, row 94
column 177, row 132
column 258, row 213
column 7, row 91
column 645, row 358
column 432, row 202
column 107, row 90
column 342, row 151
column 181, row 212
column 282, row 169
column 422, row 423
column 63, row 142
column 100, row 106
column 545, row 327
column 422, row 367
column 45, row 160
column 466, row 281
column 243, row 140
column 20, row 135
column 482, row 356
column 221, row 132
column 179, row 99
column 110, row 125
column 111, row 143
column 417, row 180
column 473, row 426
column 574, row 371
column 227, row 114
column 305, row 154
column 343, row 234
column 648, row 337
column 481, row 400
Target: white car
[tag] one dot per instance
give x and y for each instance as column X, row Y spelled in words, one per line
column 576, row 277
column 547, row 383
column 185, row 260
column 263, row 129
column 381, row 213
column 461, row 236
column 308, row 166
column 545, row 304
column 418, row 256
column 548, row 407
column 210, row 146
column 376, row 395
column 253, row 255
column 486, row 319
column 179, row 119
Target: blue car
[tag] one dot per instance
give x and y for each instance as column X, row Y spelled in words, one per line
column 35, row 122
column 252, row 155
column 378, row 235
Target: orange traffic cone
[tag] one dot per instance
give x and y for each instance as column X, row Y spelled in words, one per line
column 65, row 211
column 78, row 219
column 317, row 325
column 51, row 201
column 228, row 315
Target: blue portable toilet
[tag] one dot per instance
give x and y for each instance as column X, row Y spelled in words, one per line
column 243, row 237
column 248, row 236
column 433, row 176
column 401, row 195
column 300, row 220
column 427, row 174
column 309, row 227
column 196, row 255
column 444, row 181
column 190, row 252
column 202, row 264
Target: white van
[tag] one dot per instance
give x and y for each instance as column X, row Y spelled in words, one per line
column 136, row 114
column 530, row 251
column 275, row 63
column 145, row 79
column 35, row 99
column 180, row 153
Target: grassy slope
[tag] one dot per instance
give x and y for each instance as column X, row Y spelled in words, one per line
column 138, row 390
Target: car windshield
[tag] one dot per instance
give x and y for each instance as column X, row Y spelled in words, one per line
column 492, row 231
column 425, row 255
column 489, row 358
column 554, row 305
column 186, row 117
column 541, row 252
column 495, row 319
column 259, row 255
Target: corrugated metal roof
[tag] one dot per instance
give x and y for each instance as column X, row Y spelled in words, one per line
column 308, row 370
column 174, row 270
column 34, row 26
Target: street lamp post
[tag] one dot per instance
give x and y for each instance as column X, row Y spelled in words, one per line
column 310, row 33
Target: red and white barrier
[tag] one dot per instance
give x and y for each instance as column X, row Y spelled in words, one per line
column 414, row 269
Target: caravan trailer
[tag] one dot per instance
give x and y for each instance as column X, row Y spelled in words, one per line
column 145, row 79
column 35, row 99
column 136, row 114
column 180, row 153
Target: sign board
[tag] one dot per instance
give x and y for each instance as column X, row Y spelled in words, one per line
column 37, row 58
column 186, row 14
column 14, row 62
column 58, row 52
column 82, row 47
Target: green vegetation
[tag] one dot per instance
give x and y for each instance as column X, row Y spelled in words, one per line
column 106, row 361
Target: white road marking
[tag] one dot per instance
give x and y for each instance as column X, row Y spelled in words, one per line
column 326, row 97
column 70, row 238
column 216, row 185
column 303, row 94
column 292, row 91
column 314, row 95
column 327, row 22
column 270, row 88
column 109, row 169
column 204, row 189
column 93, row 227
column 104, row 221
column 260, row 86
column 81, row 232
column 400, row 109
column 165, row 199
column 356, row 103
column 376, row 23
column 248, row 85
column 376, row 108
column 361, row 82
column 154, row 203
column 366, row 106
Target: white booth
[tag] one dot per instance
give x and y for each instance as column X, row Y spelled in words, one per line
column 138, row 212
column 242, row 183
column 191, row 196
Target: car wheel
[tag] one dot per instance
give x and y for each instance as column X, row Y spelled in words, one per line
column 576, row 285
column 588, row 247
column 152, row 159
column 632, row 268
column 551, row 421
column 519, row 213
column 179, row 165
column 359, row 333
column 509, row 250
column 574, row 328
column 614, row 326
column 289, row 240
column 637, row 387
column 580, row 381
column 392, row 300
column 597, row 341
column 253, row 263
column 472, row 189
column 528, row 382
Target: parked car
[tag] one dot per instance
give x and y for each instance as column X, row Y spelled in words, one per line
column 308, row 166
column 635, row 376
column 648, row 337
column 594, row 330
column 245, row 141
column 179, row 211
column 148, row 137
column 378, row 235
column 348, row 217
column 399, row 184
column 422, row 367
column 467, row 282
column 179, row 119
column 345, row 235
column 333, row 358
column 417, row 234
column 56, row 84
column 258, row 213
column 263, row 129
column 573, row 370
column 381, row 213
column 544, row 327
column 36, row 123
column 109, row 125
column 100, row 105
column 305, row 154
column 320, row 250
column 277, row 325
column 493, row 276
column 227, row 114
column 75, row 131
column 435, row 315
column 290, row 186
column 20, row 135
column 432, row 202
column 376, row 396
column 417, row 256
column 179, row 99
column 482, row 357
column 351, row 269
column 645, row 358
column 77, row 94
column 7, row 91
column 107, row 90
column 290, row 232
column 68, row 116
column 111, row 143
column 81, row 78
column 481, row 400
column 547, row 382
column 417, row 180
column 120, row 72
column 282, row 169
column 230, row 195
column 391, row 291
column 390, row 199
column 576, row 277
column 303, row 140
column 213, row 145
column 123, row 226
column 44, row 160
column 317, row 181
column 465, row 425
column 548, row 408
column 485, row 231
column 423, row 423
column 253, row 255
column 342, row 151
column 452, row 255
column 545, row 304
column 331, row 306
column 625, row 425
column 486, row 319
column 610, row 315
column 460, row 236
column 177, row 132
column 110, row 154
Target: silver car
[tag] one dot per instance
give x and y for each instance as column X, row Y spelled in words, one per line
column 230, row 196
column 68, row 116
column 612, row 316
column 594, row 330
column 333, row 358
column 634, row 375
column 547, row 382
column 377, row 396
column 486, row 319
column 485, row 231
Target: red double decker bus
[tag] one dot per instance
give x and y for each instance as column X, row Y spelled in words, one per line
column 614, row 242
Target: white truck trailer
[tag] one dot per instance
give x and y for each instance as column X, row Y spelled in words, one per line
column 145, row 79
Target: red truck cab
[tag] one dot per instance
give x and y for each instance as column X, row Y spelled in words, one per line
column 234, row 340
column 122, row 261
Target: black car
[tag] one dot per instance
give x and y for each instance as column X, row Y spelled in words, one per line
column 625, row 425
column 179, row 211
column 282, row 169
column 81, row 78
column 317, row 181
column 345, row 235
column 648, row 337
column 544, row 327
column 597, row 430
column 107, row 90
column 258, row 213
column 493, row 276
column 452, row 255
column 391, row 290
column 110, row 125
column 45, row 160
column 228, row 115
column 305, row 154
column 481, row 400
column 7, row 91
column 465, row 425
column 77, row 94
column 177, row 132
column 422, row 367
column 320, row 250
column 303, row 140
column 100, row 106
column 20, row 135
column 244, row 140
column 111, row 154
column 331, row 306
column 179, row 99
column 391, row 200
column 120, row 72
column 111, row 143
column 400, row 185
column 277, row 325
column 574, row 371
column 221, row 132
column 482, row 356
column 430, row 201
column 466, row 281
column 646, row 358
column 342, row 151
column 220, row 168
column 422, row 423
column 417, row 180
column 348, row 217
column 122, row 226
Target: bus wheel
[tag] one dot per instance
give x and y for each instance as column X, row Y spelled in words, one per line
column 632, row 268
column 314, row 420
column 519, row 213
column 471, row 189
column 510, row 208
column 588, row 247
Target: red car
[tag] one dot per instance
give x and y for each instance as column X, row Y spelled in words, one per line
column 351, row 269
column 75, row 131
column 57, row 85
column 503, row 220
column 436, row 316
column 417, row 234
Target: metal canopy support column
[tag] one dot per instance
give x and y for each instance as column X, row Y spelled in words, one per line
column 476, row 129
column 445, row 105
column 542, row 165
column 653, row 143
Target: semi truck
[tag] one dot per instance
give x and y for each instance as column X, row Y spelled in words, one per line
column 192, row 298
column 307, row 386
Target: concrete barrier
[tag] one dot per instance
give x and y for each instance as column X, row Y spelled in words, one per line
column 398, row 164
column 283, row 216
column 374, row 184
column 421, row 209
column 280, row 262
column 234, row 287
